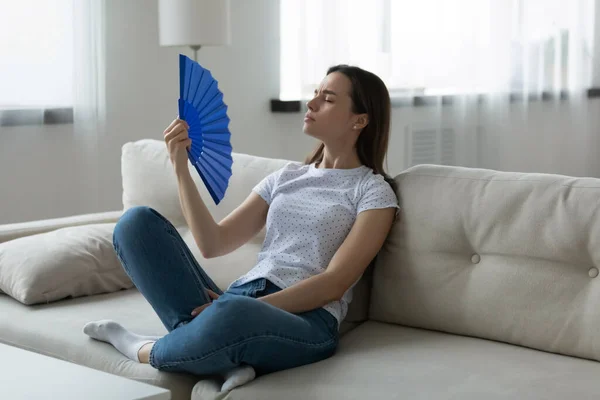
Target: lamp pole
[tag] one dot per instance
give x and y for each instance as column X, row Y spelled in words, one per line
column 195, row 48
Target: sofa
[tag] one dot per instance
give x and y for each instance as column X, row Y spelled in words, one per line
column 486, row 288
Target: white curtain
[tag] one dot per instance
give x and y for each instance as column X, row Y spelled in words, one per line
column 517, row 71
column 89, row 101
column 35, row 59
column 52, row 56
column 440, row 46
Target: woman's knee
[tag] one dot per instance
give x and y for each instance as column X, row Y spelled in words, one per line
column 135, row 222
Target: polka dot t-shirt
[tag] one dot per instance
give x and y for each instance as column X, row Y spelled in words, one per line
column 311, row 211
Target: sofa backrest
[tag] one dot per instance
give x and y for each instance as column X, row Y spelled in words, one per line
column 149, row 180
column 512, row 257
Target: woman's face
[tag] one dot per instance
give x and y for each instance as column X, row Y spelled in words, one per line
column 330, row 115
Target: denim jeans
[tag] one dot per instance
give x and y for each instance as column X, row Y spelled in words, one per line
column 236, row 329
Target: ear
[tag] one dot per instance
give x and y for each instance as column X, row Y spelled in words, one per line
column 361, row 121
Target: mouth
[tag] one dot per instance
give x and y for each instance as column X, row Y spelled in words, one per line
column 308, row 118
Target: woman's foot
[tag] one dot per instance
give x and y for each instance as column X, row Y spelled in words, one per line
column 238, row 377
column 128, row 343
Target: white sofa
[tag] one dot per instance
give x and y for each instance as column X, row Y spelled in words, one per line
column 486, row 288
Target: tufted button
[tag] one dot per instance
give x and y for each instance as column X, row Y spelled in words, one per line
column 475, row 258
column 593, row 272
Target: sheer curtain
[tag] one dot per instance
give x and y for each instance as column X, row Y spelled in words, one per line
column 550, row 126
column 438, row 46
column 517, row 71
column 89, row 102
column 35, row 59
column 89, row 93
column 52, row 56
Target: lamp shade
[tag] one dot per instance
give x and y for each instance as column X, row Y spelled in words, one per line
column 194, row 22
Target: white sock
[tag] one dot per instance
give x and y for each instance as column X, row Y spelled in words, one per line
column 238, row 377
column 126, row 342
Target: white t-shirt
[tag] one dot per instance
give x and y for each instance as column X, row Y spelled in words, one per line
column 311, row 211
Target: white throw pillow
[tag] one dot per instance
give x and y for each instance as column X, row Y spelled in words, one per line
column 73, row 261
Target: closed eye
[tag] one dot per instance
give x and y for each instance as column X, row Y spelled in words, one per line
column 325, row 92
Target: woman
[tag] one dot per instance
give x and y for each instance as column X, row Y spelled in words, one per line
column 326, row 220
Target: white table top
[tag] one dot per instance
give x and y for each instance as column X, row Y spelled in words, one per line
column 28, row 375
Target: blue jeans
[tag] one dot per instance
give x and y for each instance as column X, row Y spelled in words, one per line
column 236, row 329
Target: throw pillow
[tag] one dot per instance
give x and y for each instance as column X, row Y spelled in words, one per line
column 69, row 262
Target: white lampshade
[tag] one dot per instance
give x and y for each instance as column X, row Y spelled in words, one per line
column 194, row 22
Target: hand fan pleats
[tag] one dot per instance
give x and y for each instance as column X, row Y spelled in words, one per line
column 201, row 106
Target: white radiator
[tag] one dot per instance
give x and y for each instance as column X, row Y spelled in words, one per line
column 441, row 145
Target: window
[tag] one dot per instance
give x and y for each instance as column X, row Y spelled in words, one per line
column 36, row 54
column 439, row 46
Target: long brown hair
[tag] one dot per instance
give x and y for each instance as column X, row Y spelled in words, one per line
column 369, row 96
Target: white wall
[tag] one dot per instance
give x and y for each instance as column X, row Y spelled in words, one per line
column 44, row 173
column 50, row 171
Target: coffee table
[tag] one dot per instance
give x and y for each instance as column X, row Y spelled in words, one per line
column 28, row 375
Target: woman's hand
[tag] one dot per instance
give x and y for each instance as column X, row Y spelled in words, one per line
column 177, row 140
column 198, row 310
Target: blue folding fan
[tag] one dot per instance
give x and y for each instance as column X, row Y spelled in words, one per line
column 201, row 106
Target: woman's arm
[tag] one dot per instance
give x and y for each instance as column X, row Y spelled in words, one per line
column 217, row 239
column 201, row 223
column 213, row 239
column 350, row 260
column 242, row 224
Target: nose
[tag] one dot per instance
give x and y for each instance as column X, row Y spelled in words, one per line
column 312, row 104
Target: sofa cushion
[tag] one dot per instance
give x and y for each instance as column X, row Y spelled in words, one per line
column 512, row 257
column 56, row 330
column 73, row 261
column 384, row 361
column 149, row 180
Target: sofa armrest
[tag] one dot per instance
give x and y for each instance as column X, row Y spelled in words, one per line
column 22, row 229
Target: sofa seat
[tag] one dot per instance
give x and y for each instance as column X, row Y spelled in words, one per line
column 56, row 330
column 385, row 361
